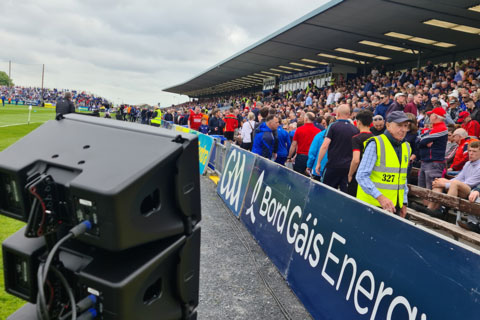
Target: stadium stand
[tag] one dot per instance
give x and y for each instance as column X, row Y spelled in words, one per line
column 432, row 86
column 33, row 96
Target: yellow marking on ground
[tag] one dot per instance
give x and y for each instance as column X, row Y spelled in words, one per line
column 214, row 178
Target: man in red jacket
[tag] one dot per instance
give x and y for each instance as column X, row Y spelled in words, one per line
column 471, row 126
column 231, row 123
column 460, row 136
column 195, row 119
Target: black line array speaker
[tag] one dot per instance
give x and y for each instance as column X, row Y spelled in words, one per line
column 137, row 186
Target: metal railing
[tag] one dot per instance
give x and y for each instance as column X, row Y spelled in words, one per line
column 218, row 155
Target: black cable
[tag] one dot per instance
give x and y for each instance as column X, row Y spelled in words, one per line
column 42, row 310
column 42, row 277
column 69, row 291
column 83, row 305
column 51, row 254
column 43, row 270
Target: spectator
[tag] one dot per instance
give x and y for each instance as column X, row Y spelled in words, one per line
column 413, row 106
column 65, row 105
column 338, row 142
column 461, row 139
column 309, row 100
column 398, row 104
column 168, row 116
column 412, row 138
column 454, row 109
column 195, row 119
column 432, row 146
column 426, row 103
column 463, row 183
column 184, row 118
column 283, row 146
column 292, row 128
column 382, row 174
column 471, row 126
column 264, row 140
column 382, row 108
column 301, row 143
column 452, row 145
column 378, row 125
column 231, row 123
column 247, row 132
column 203, row 127
column 313, row 152
column 473, row 109
column 364, row 120
column 472, row 223
column 214, row 123
column 237, row 114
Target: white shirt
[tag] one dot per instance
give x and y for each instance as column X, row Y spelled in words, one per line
column 247, row 129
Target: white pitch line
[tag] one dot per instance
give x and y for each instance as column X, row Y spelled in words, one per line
column 20, row 124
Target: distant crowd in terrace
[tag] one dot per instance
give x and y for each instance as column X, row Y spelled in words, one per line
column 18, row 95
column 441, row 101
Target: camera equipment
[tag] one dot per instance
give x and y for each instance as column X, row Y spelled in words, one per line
column 112, row 212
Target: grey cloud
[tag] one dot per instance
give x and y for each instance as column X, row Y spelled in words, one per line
column 129, row 50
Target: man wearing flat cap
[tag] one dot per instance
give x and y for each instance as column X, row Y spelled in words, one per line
column 382, row 174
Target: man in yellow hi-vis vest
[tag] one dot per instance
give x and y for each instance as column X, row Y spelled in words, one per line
column 382, row 174
column 156, row 120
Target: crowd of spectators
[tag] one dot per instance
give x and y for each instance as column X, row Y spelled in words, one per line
column 33, row 96
column 327, row 127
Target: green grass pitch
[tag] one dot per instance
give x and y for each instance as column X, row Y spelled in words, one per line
column 13, row 126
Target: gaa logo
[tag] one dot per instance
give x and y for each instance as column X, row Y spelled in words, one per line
column 232, row 178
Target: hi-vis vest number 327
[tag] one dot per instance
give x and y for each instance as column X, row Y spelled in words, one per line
column 389, row 175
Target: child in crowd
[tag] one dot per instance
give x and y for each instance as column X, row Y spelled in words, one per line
column 203, row 127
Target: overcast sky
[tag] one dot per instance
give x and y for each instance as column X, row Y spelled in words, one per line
column 129, row 50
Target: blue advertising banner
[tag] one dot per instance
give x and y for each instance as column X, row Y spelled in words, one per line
column 236, row 174
column 345, row 259
column 356, row 262
column 273, row 210
column 205, row 144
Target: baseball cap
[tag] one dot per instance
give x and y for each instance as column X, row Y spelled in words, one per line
column 462, row 116
column 400, row 94
column 397, row 117
column 438, row 111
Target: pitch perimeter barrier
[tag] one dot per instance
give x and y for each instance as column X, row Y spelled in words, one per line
column 205, row 143
column 343, row 258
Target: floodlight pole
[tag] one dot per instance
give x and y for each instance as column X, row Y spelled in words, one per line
column 9, row 71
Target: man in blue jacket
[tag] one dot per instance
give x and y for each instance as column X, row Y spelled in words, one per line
column 313, row 156
column 264, row 141
column 283, row 145
column 382, row 108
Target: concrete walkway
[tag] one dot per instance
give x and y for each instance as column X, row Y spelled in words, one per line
column 237, row 279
